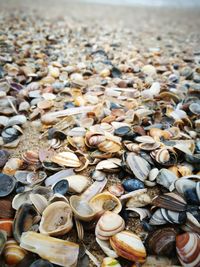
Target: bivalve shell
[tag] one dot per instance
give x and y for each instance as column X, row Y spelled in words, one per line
column 188, row 249
column 56, row 219
column 129, row 246
column 108, row 225
column 107, row 262
column 67, row 159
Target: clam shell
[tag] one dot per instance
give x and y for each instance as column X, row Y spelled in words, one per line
column 12, row 165
column 31, row 157
column 139, row 166
column 105, row 201
column 143, row 213
column 162, row 242
column 56, row 219
column 170, row 201
column 7, row 184
column 57, row 251
column 20, row 199
column 109, row 165
column 188, row 249
column 53, row 179
column 12, row 253
column 67, row 159
column 81, row 208
column 137, row 199
column 129, row 246
column 25, row 218
column 95, row 188
column 108, row 225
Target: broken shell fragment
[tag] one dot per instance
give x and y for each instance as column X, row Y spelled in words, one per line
column 107, row 249
column 108, row 225
column 56, row 219
column 129, row 246
column 6, row 225
column 3, row 239
column 67, row 159
column 57, row 251
column 39, row 202
column 77, row 183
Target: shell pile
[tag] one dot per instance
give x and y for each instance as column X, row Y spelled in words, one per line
column 100, row 148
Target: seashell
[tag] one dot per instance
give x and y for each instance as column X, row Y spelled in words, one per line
column 157, row 218
column 3, row 239
column 129, row 246
column 109, row 261
column 79, row 228
column 6, row 225
column 98, row 175
column 61, row 187
column 107, row 249
column 56, row 219
column 137, row 199
column 139, row 166
column 57, row 251
column 67, row 159
column 20, row 199
column 109, row 165
column 165, row 156
column 149, row 70
column 12, row 165
column 166, row 178
column 77, row 183
column 4, row 156
column 17, row 120
column 122, row 131
column 152, row 91
column 105, row 202
column 132, row 147
column 108, row 225
column 7, row 184
column 143, row 213
column 45, row 104
column 39, row 202
column 77, row 131
column 54, row 133
column 81, row 208
column 162, row 216
column 149, row 147
column 31, row 157
column 162, row 242
column 145, row 139
column 153, row 174
column 25, row 217
column 30, row 178
column 170, row 201
column 109, row 146
column 6, row 210
column 53, row 179
column 116, row 190
column 131, row 184
column 188, row 249
column 24, row 106
column 13, row 253
column 10, row 134
column 58, row 197
column 41, row 263
column 95, row 188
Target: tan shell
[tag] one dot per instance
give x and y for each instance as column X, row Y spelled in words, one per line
column 39, row 202
column 56, row 219
column 105, row 201
column 67, row 159
column 108, row 225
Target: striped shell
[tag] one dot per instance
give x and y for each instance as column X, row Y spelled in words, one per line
column 13, row 253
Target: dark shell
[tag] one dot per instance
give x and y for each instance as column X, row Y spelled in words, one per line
column 24, row 219
column 169, row 202
column 61, row 187
column 132, row 184
column 162, row 242
column 41, row 263
column 173, row 216
column 27, row 260
column 10, row 134
column 4, row 155
column 122, row 131
column 7, row 184
column 116, row 73
column 191, row 196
